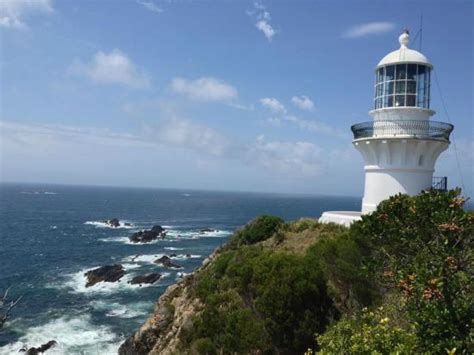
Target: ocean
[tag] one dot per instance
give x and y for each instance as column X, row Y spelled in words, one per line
column 50, row 235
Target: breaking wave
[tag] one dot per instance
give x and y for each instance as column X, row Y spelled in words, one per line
column 73, row 335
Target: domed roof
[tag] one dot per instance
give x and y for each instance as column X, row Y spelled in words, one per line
column 404, row 54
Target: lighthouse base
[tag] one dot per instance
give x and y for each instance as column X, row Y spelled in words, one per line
column 340, row 217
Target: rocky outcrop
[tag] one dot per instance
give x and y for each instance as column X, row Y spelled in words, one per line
column 106, row 273
column 41, row 349
column 145, row 279
column 114, row 222
column 207, row 230
column 148, row 236
column 171, row 320
column 167, row 262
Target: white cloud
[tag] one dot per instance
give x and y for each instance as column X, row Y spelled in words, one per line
column 303, row 102
column 182, row 133
column 368, row 29
column 112, row 68
column 263, row 18
column 12, row 12
column 204, row 89
column 300, row 159
column 315, row 126
column 266, row 28
column 273, row 104
column 150, row 6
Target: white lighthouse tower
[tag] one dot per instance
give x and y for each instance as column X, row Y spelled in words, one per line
column 401, row 144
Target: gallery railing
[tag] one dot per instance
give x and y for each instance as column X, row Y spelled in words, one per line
column 440, row 183
column 394, row 128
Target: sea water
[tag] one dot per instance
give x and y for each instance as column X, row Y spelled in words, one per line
column 50, row 235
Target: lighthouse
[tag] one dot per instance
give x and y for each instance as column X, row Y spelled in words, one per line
column 401, row 144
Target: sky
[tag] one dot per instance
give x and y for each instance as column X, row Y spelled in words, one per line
column 216, row 95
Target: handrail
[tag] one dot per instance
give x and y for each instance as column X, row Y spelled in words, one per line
column 439, row 183
column 393, row 128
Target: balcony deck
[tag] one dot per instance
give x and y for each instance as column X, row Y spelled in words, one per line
column 402, row 129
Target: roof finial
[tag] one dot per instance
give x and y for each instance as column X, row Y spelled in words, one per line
column 404, row 38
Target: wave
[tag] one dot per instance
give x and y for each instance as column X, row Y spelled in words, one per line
column 126, row 240
column 143, row 258
column 73, row 335
column 173, row 248
column 118, row 310
column 197, row 234
column 102, row 224
column 38, row 193
column 77, row 283
column 187, row 256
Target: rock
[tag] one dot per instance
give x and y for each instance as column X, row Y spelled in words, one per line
column 145, row 279
column 157, row 229
column 207, row 230
column 148, row 236
column 114, row 222
column 107, row 273
column 136, row 256
column 128, row 224
column 42, row 348
column 143, row 237
column 166, row 261
column 188, row 255
column 173, row 255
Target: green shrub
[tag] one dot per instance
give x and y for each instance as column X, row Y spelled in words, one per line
column 204, row 346
column 259, row 229
column 422, row 248
column 368, row 332
column 341, row 258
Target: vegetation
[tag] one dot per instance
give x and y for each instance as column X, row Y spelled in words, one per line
column 399, row 281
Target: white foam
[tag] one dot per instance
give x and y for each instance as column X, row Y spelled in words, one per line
column 77, row 283
column 186, row 235
column 114, row 309
column 73, row 335
column 102, row 224
column 216, row 234
column 126, row 240
column 184, row 256
column 173, row 248
column 142, row 258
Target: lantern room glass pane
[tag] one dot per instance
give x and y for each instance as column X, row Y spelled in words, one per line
column 401, row 71
column 399, row 100
column 411, row 87
column 389, row 87
column 411, row 71
column 380, row 75
column 389, row 73
column 410, row 100
column 400, row 88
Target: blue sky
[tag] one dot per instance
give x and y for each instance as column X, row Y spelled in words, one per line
column 228, row 95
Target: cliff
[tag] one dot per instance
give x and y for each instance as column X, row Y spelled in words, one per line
column 399, row 280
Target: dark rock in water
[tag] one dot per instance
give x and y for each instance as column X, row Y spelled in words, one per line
column 136, row 256
column 114, row 222
column 143, row 237
column 145, row 279
column 148, row 236
column 157, row 229
column 207, row 230
column 107, row 273
column 188, row 255
column 166, row 261
column 42, row 348
column 128, row 224
column 173, row 255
